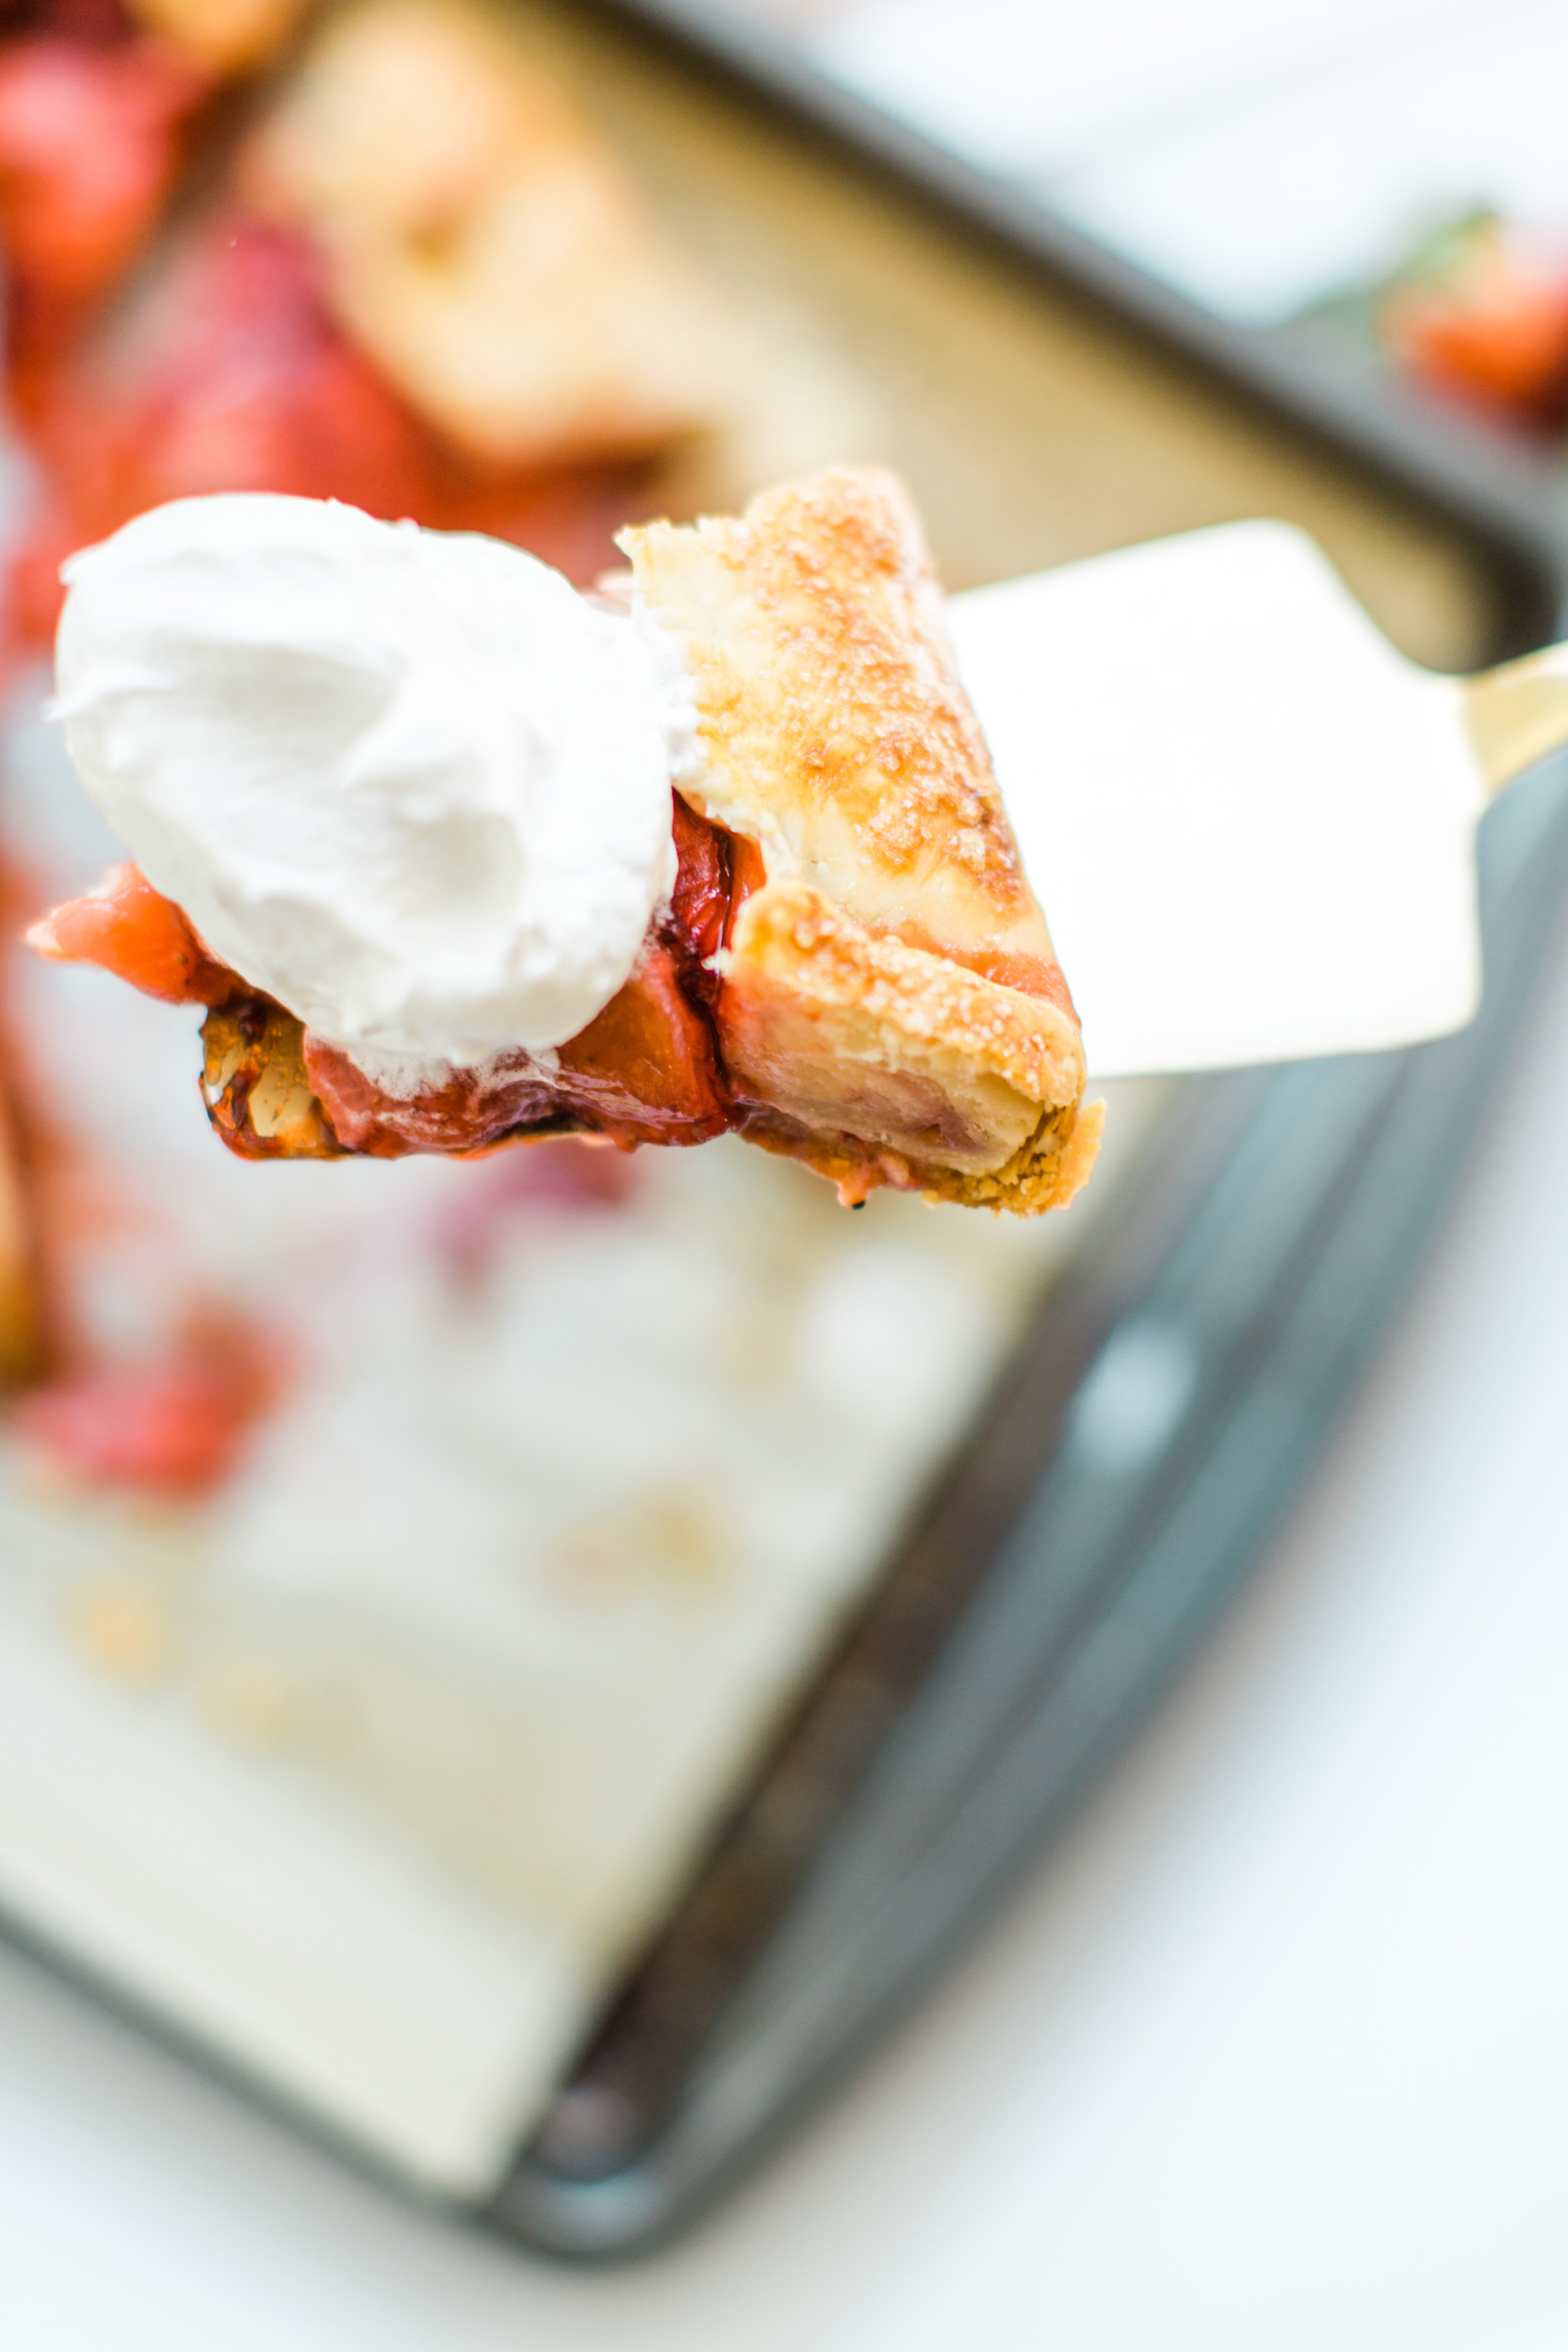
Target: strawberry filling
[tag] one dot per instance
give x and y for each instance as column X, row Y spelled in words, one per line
column 645, row 1070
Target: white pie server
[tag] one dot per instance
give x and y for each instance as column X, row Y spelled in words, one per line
column 1251, row 822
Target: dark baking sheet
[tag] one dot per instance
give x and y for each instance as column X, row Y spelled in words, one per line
column 1171, row 1396
column 1495, row 493
column 1044, row 400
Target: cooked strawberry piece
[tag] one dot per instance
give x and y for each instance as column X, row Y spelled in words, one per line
column 646, row 1069
column 699, row 902
column 643, row 1071
column 1491, row 327
column 133, row 931
column 175, row 1426
column 471, row 1110
column 89, row 146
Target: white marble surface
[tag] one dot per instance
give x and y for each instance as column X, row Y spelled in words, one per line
column 1273, row 2054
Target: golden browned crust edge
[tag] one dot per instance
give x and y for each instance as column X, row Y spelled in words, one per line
column 254, row 1083
column 1052, row 1166
column 834, row 726
column 790, row 933
column 787, row 937
column 1046, row 1172
column 836, row 734
column 484, row 243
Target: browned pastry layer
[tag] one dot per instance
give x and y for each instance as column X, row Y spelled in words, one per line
column 888, row 982
column 255, row 1084
column 483, row 245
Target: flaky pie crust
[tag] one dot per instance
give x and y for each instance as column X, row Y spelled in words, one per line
column 891, row 1007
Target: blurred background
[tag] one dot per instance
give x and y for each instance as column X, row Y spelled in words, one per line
column 1389, row 173
column 408, row 1571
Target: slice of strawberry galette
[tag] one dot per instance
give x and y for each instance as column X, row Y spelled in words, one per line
column 841, row 958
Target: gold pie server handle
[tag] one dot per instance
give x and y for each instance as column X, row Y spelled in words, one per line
column 1515, row 714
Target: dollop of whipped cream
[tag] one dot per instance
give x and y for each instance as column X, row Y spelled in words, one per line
column 409, row 782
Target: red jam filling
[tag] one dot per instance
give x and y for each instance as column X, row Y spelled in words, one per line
column 647, row 1069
